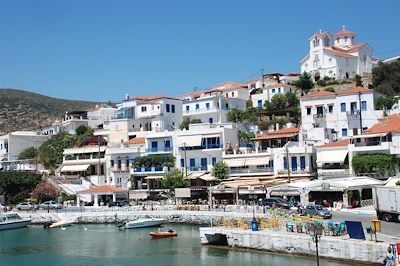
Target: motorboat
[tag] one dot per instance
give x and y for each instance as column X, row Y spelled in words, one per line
column 11, row 220
column 145, row 222
column 62, row 223
column 163, row 234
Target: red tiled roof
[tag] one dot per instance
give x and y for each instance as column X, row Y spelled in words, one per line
column 152, row 98
column 339, row 53
column 352, row 49
column 292, row 74
column 103, row 189
column 345, row 32
column 385, row 125
column 355, row 90
column 318, row 94
column 140, row 140
column 278, row 85
column 277, row 134
column 339, row 143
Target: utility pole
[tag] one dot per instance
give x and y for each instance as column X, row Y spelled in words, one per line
column 359, row 104
column 262, row 77
column 287, row 162
column 36, row 159
column 184, row 146
column 98, row 167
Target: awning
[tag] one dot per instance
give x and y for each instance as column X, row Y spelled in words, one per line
column 257, row 161
column 211, row 135
column 376, row 135
column 189, row 141
column 207, row 177
column 154, row 177
column 234, row 162
column 332, row 156
column 75, row 168
column 86, row 149
column 138, row 194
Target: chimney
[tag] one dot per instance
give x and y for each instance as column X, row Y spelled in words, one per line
column 277, row 126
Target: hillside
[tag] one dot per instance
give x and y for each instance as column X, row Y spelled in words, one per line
column 22, row 110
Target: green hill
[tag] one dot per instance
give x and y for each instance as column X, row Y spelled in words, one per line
column 23, row 110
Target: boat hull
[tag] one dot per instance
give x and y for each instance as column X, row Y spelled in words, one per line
column 14, row 224
column 61, row 224
column 163, row 234
column 144, row 224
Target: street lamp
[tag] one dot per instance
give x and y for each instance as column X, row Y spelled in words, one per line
column 315, row 232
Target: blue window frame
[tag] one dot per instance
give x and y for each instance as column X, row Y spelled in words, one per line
column 172, row 108
column 203, row 163
column 213, row 160
column 344, row 132
column 259, row 104
column 273, row 90
column 294, row 163
column 192, row 163
column 167, row 108
column 343, row 107
column 197, row 106
column 187, row 108
column 284, row 162
column 302, row 162
column 208, row 106
column 154, row 146
column 363, row 105
column 182, row 163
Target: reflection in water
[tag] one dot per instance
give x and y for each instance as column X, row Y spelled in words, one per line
column 106, row 245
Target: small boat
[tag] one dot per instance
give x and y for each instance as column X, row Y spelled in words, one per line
column 11, row 220
column 62, row 223
column 163, row 234
column 146, row 222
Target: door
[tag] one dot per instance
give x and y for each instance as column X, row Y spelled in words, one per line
column 192, row 164
column 294, row 164
column 302, row 162
column 154, row 146
column 203, row 164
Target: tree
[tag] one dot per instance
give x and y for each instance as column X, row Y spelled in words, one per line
column 386, row 78
column 174, row 179
column 17, row 186
column 187, row 121
column 292, row 99
column 358, row 80
column 84, row 130
column 278, row 102
column 51, row 151
column 246, row 136
column 157, row 160
column 250, row 115
column 304, row 82
column 374, row 163
column 235, row 115
column 331, row 89
column 29, row 153
column 384, row 103
column 220, row 171
column 44, row 191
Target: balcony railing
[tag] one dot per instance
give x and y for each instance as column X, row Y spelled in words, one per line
column 153, row 150
column 353, row 114
column 148, row 169
column 368, row 143
column 198, row 168
column 321, row 115
column 251, row 171
column 121, row 169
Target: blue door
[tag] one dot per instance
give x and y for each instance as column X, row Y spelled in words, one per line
column 302, row 162
column 192, row 164
column 285, row 163
column 203, row 164
column 167, row 145
column 294, row 164
column 154, row 146
column 259, row 104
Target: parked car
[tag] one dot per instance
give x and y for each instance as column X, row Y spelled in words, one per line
column 47, row 205
column 278, row 202
column 317, row 210
column 118, row 204
column 27, row 206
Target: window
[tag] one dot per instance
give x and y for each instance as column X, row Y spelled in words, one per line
column 226, row 105
column 154, row 145
column 330, row 108
column 320, row 111
column 213, row 160
column 363, row 105
column 302, row 162
column 343, row 107
column 167, row 108
column 197, row 106
column 182, row 163
column 353, row 107
column 112, row 163
column 285, row 163
column 344, row 132
column 259, row 104
column 192, row 163
column 172, row 108
column 273, row 90
column 355, row 131
column 233, row 94
column 187, row 108
column 308, row 110
column 208, row 106
column 210, row 120
column 144, row 108
column 203, row 163
column 167, row 144
column 279, row 90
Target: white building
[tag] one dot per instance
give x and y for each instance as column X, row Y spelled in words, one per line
column 261, row 95
column 139, row 115
column 328, row 116
column 12, row 144
column 336, row 56
column 211, row 106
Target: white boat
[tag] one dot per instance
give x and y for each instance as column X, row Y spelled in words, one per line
column 146, row 222
column 61, row 223
column 11, row 220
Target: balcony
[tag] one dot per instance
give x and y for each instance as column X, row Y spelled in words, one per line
column 198, row 168
column 257, row 170
column 149, row 169
column 159, row 150
column 122, row 169
column 353, row 114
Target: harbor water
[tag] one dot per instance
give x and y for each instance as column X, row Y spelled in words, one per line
column 106, row 245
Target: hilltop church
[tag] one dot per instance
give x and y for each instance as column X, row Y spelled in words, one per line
column 337, row 56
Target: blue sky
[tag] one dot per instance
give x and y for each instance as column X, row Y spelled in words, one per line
column 99, row 50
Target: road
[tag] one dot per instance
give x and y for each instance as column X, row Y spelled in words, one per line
column 390, row 229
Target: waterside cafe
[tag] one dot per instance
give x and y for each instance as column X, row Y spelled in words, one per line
column 350, row 191
column 104, row 194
